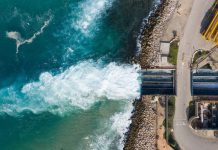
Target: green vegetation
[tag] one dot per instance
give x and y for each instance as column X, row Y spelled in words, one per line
column 191, row 109
column 169, row 134
column 174, row 47
column 199, row 55
column 207, row 66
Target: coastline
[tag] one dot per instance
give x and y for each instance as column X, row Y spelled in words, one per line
column 152, row 33
column 142, row 132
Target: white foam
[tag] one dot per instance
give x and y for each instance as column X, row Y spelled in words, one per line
column 20, row 41
column 79, row 86
column 121, row 122
column 114, row 132
column 156, row 3
column 91, row 10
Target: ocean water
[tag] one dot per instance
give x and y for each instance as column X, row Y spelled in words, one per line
column 66, row 82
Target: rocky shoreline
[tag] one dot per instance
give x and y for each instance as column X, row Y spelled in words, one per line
column 142, row 134
column 142, row 131
column 152, row 33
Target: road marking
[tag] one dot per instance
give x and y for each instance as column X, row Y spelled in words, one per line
column 180, row 122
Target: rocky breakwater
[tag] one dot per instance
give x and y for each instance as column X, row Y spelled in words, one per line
column 153, row 30
column 142, row 131
column 142, row 135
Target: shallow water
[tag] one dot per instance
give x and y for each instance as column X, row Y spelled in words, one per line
column 65, row 78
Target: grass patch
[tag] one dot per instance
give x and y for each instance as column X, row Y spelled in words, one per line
column 191, row 109
column 207, row 66
column 169, row 134
column 174, row 47
column 199, row 55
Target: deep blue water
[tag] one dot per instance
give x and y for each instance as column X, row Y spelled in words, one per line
column 66, row 81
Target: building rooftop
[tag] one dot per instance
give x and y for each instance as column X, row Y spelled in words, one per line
column 165, row 48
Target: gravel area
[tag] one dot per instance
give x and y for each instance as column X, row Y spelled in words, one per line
column 152, row 33
column 142, row 133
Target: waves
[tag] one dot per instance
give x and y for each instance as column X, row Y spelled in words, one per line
column 90, row 12
column 113, row 137
column 86, row 84
column 81, row 28
column 20, row 41
column 143, row 26
column 79, row 87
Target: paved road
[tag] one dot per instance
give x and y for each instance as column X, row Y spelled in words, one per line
column 191, row 41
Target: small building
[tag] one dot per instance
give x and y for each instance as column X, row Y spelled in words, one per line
column 165, row 50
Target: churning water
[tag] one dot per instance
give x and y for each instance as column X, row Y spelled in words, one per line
column 65, row 78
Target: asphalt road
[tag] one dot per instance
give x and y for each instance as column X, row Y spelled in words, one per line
column 191, row 41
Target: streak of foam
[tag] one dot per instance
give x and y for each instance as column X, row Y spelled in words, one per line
column 20, row 41
column 91, row 10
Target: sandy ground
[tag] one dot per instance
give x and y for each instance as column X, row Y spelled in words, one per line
column 161, row 141
column 178, row 20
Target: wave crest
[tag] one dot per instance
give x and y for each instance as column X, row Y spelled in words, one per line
column 114, row 132
column 79, row 86
column 91, row 11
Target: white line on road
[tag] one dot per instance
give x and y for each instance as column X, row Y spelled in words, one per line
column 180, row 122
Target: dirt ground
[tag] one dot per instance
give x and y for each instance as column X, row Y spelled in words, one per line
column 161, row 141
column 178, row 20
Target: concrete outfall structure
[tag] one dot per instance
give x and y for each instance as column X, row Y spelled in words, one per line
column 143, row 131
column 184, row 17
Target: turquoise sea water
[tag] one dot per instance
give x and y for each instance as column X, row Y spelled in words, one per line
column 65, row 78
